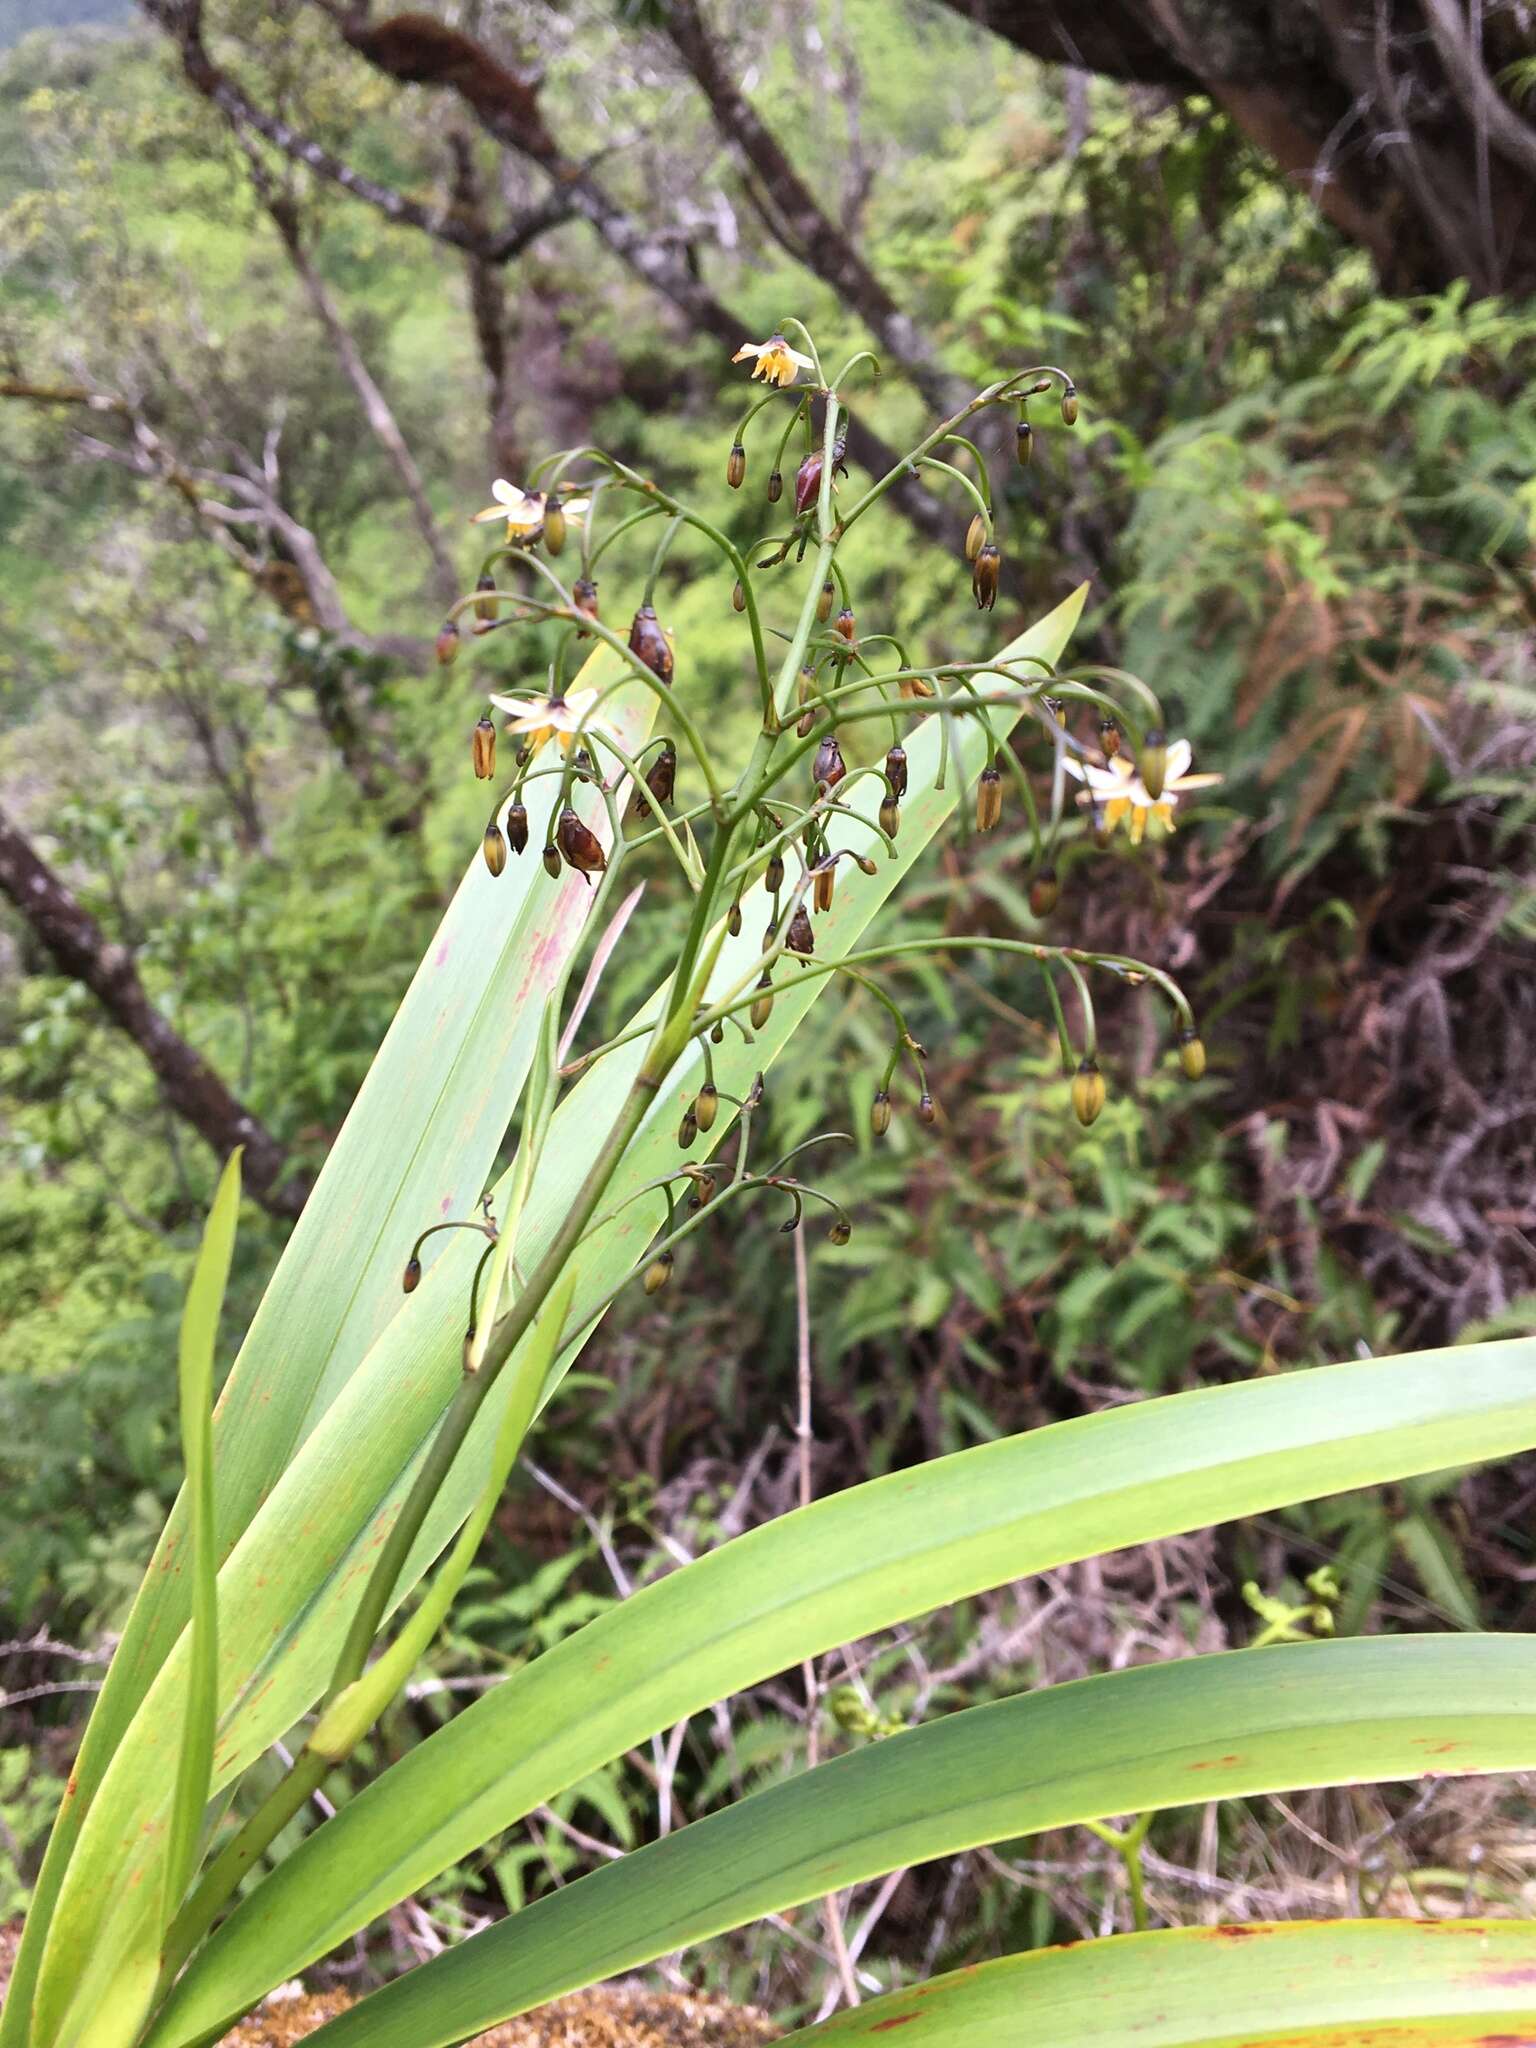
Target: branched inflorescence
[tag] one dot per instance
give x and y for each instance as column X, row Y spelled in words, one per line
column 822, row 699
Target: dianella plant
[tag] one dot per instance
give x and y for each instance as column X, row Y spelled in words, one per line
column 426, row 1308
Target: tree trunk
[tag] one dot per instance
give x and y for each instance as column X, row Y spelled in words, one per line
column 190, row 1086
column 1389, row 111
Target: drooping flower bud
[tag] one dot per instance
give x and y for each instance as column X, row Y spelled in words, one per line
column 762, row 1005
column 839, row 1230
column 582, row 848
column 926, row 1113
column 896, row 771
column 1024, row 442
column 1058, row 710
column 989, row 799
column 773, row 874
column 1044, row 893
column 482, row 749
column 984, row 576
column 824, row 603
column 551, row 859
column 847, row 625
column 517, row 826
column 658, row 1273
column 1191, row 1054
column 736, row 466
column 800, row 938
column 775, row 486
column 410, row 1279
column 890, row 817
column 1098, row 823
column 661, row 777
column 446, row 644
column 486, row 608
column 584, row 598
column 554, row 526
column 823, row 883
column 650, row 644
column 706, row 1106
column 494, row 847
column 1109, row 738
column 1152, row 764
column 1087, row 1092
column 865, row 865
column 975, row 536
column 1069, row 406
column 807, row 482
column 688, row 1129
column 733, row 923
column 738, row 597
column 880, row 1113
column 829, row 769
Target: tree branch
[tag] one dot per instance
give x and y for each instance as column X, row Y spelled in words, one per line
column 190, row 1086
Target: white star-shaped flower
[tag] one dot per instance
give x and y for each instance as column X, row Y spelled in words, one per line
column 1120, row 792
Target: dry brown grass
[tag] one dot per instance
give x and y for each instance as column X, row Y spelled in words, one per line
column 614, row 2016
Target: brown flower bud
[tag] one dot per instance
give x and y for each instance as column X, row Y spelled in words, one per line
column 839, row 1230
column 775, row 486
column 896, row 771
column 733, row 919
column 773, row 874
column 1024, row 442
column 984, row 576
column 554, row 526
column 1191, row 1054
column 824, row 603
column 486, row 608
column 703, row 1191
column 650, row 644
column 706, row 1106
column 1098, row 823
column 989, row 799
column 880, row 1113
column 482, row 749
column 447, row 644
column 688, row 1129
column 762, row 1006
column 847, row 625
column 1087, row 1092
column 551, row 859
column 807, row 482
column 926, row 1113
column 800, row 938
column 517, row 827
column 1069, row 406
column 770, row 934
column 494, row 847
column 717, row 1029
column 890, row 817
column 582, row 848
column 661, row 777
column 865, row 864
column 1058, row 710
column 1152, row 764
column 584, row 598
column 975, row 536
column 1044, row 892
column 736, row 466
column 738, row 597
column 410, row 1279
column 829, row 769
column 1109, row 738
column 658, row 1273
column 825, row 879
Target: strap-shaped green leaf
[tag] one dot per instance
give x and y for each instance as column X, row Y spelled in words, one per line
column 419, row 1143
column 287, row 1599
column 1231, row 1726
column 1287, row 1984
column 198, row 1340
column 861, row 1560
